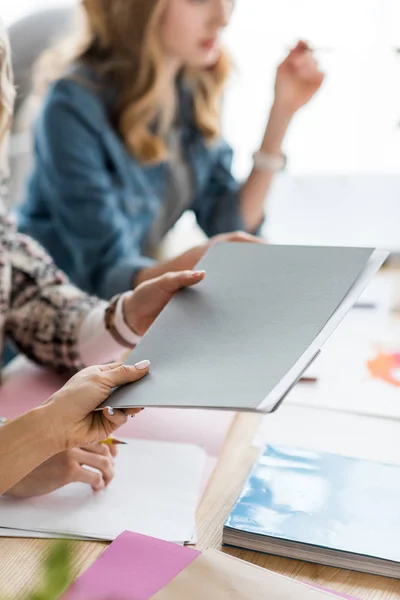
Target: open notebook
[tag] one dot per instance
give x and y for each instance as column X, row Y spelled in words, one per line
column 243, row 337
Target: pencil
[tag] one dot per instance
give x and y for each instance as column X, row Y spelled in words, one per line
column 308, row 379
column 321, row 48
column 366, row 305
column 112, row 442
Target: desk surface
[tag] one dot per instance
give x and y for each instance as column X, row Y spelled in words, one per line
column 20, row 559
column 365, row 437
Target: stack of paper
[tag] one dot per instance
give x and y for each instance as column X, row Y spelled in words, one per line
column 139, row 567
column 322, row 508
column 197, row 427
column 155, row 492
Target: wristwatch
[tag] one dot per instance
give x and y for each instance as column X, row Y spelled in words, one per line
column 269, row 162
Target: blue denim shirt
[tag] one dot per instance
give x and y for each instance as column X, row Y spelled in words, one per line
column 91, row 204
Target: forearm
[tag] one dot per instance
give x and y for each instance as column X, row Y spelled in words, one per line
column 257, row 186
column 96, row 344
column 25, row 444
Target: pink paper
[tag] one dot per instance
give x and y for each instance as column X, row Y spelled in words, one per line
column 134, row 567
column 25, row 386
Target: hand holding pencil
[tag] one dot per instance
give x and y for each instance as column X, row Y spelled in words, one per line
column 298, row 79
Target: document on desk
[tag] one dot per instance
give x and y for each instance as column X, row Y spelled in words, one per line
column 358, row 371
column 132, row 567
column 36, row 535
column 155, row 492
column 243, row 337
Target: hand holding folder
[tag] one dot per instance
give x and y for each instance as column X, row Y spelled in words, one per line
column 244, row 336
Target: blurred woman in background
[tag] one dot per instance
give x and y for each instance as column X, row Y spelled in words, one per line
column 129, row 137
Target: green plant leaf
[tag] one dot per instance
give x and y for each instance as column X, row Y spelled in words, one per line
column 57, row 575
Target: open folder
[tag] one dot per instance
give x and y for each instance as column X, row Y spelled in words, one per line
column 242, row 338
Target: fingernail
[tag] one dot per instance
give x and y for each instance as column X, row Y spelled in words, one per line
column 110, row 411
column 141, row 366
column 196, row 273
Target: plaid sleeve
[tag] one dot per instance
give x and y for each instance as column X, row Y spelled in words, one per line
column 46, row 311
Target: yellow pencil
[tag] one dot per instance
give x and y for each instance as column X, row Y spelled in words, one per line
column 112, row 442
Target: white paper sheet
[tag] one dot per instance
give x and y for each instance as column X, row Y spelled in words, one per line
column 155, row 492
column 358, row 370
column 382, row 293
column 334, row 432
column 23, row 533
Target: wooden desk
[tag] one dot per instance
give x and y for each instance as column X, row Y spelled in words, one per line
column 20, row 559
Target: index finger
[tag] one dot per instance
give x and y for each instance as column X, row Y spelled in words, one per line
column 241, row 236
column 172, row 282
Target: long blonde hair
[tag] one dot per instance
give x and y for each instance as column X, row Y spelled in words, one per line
column 120, row 41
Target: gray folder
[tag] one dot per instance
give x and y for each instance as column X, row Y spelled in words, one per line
column 242, row 338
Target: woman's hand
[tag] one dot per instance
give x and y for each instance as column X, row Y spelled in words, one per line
column 298, row 78
column 70, row 415
column 157, row 286
column 68, row 467
column 190, row 258
column 143, row 305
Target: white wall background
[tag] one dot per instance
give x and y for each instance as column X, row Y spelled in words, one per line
column 351, row 124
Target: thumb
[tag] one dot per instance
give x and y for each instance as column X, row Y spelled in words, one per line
column 117, row 374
